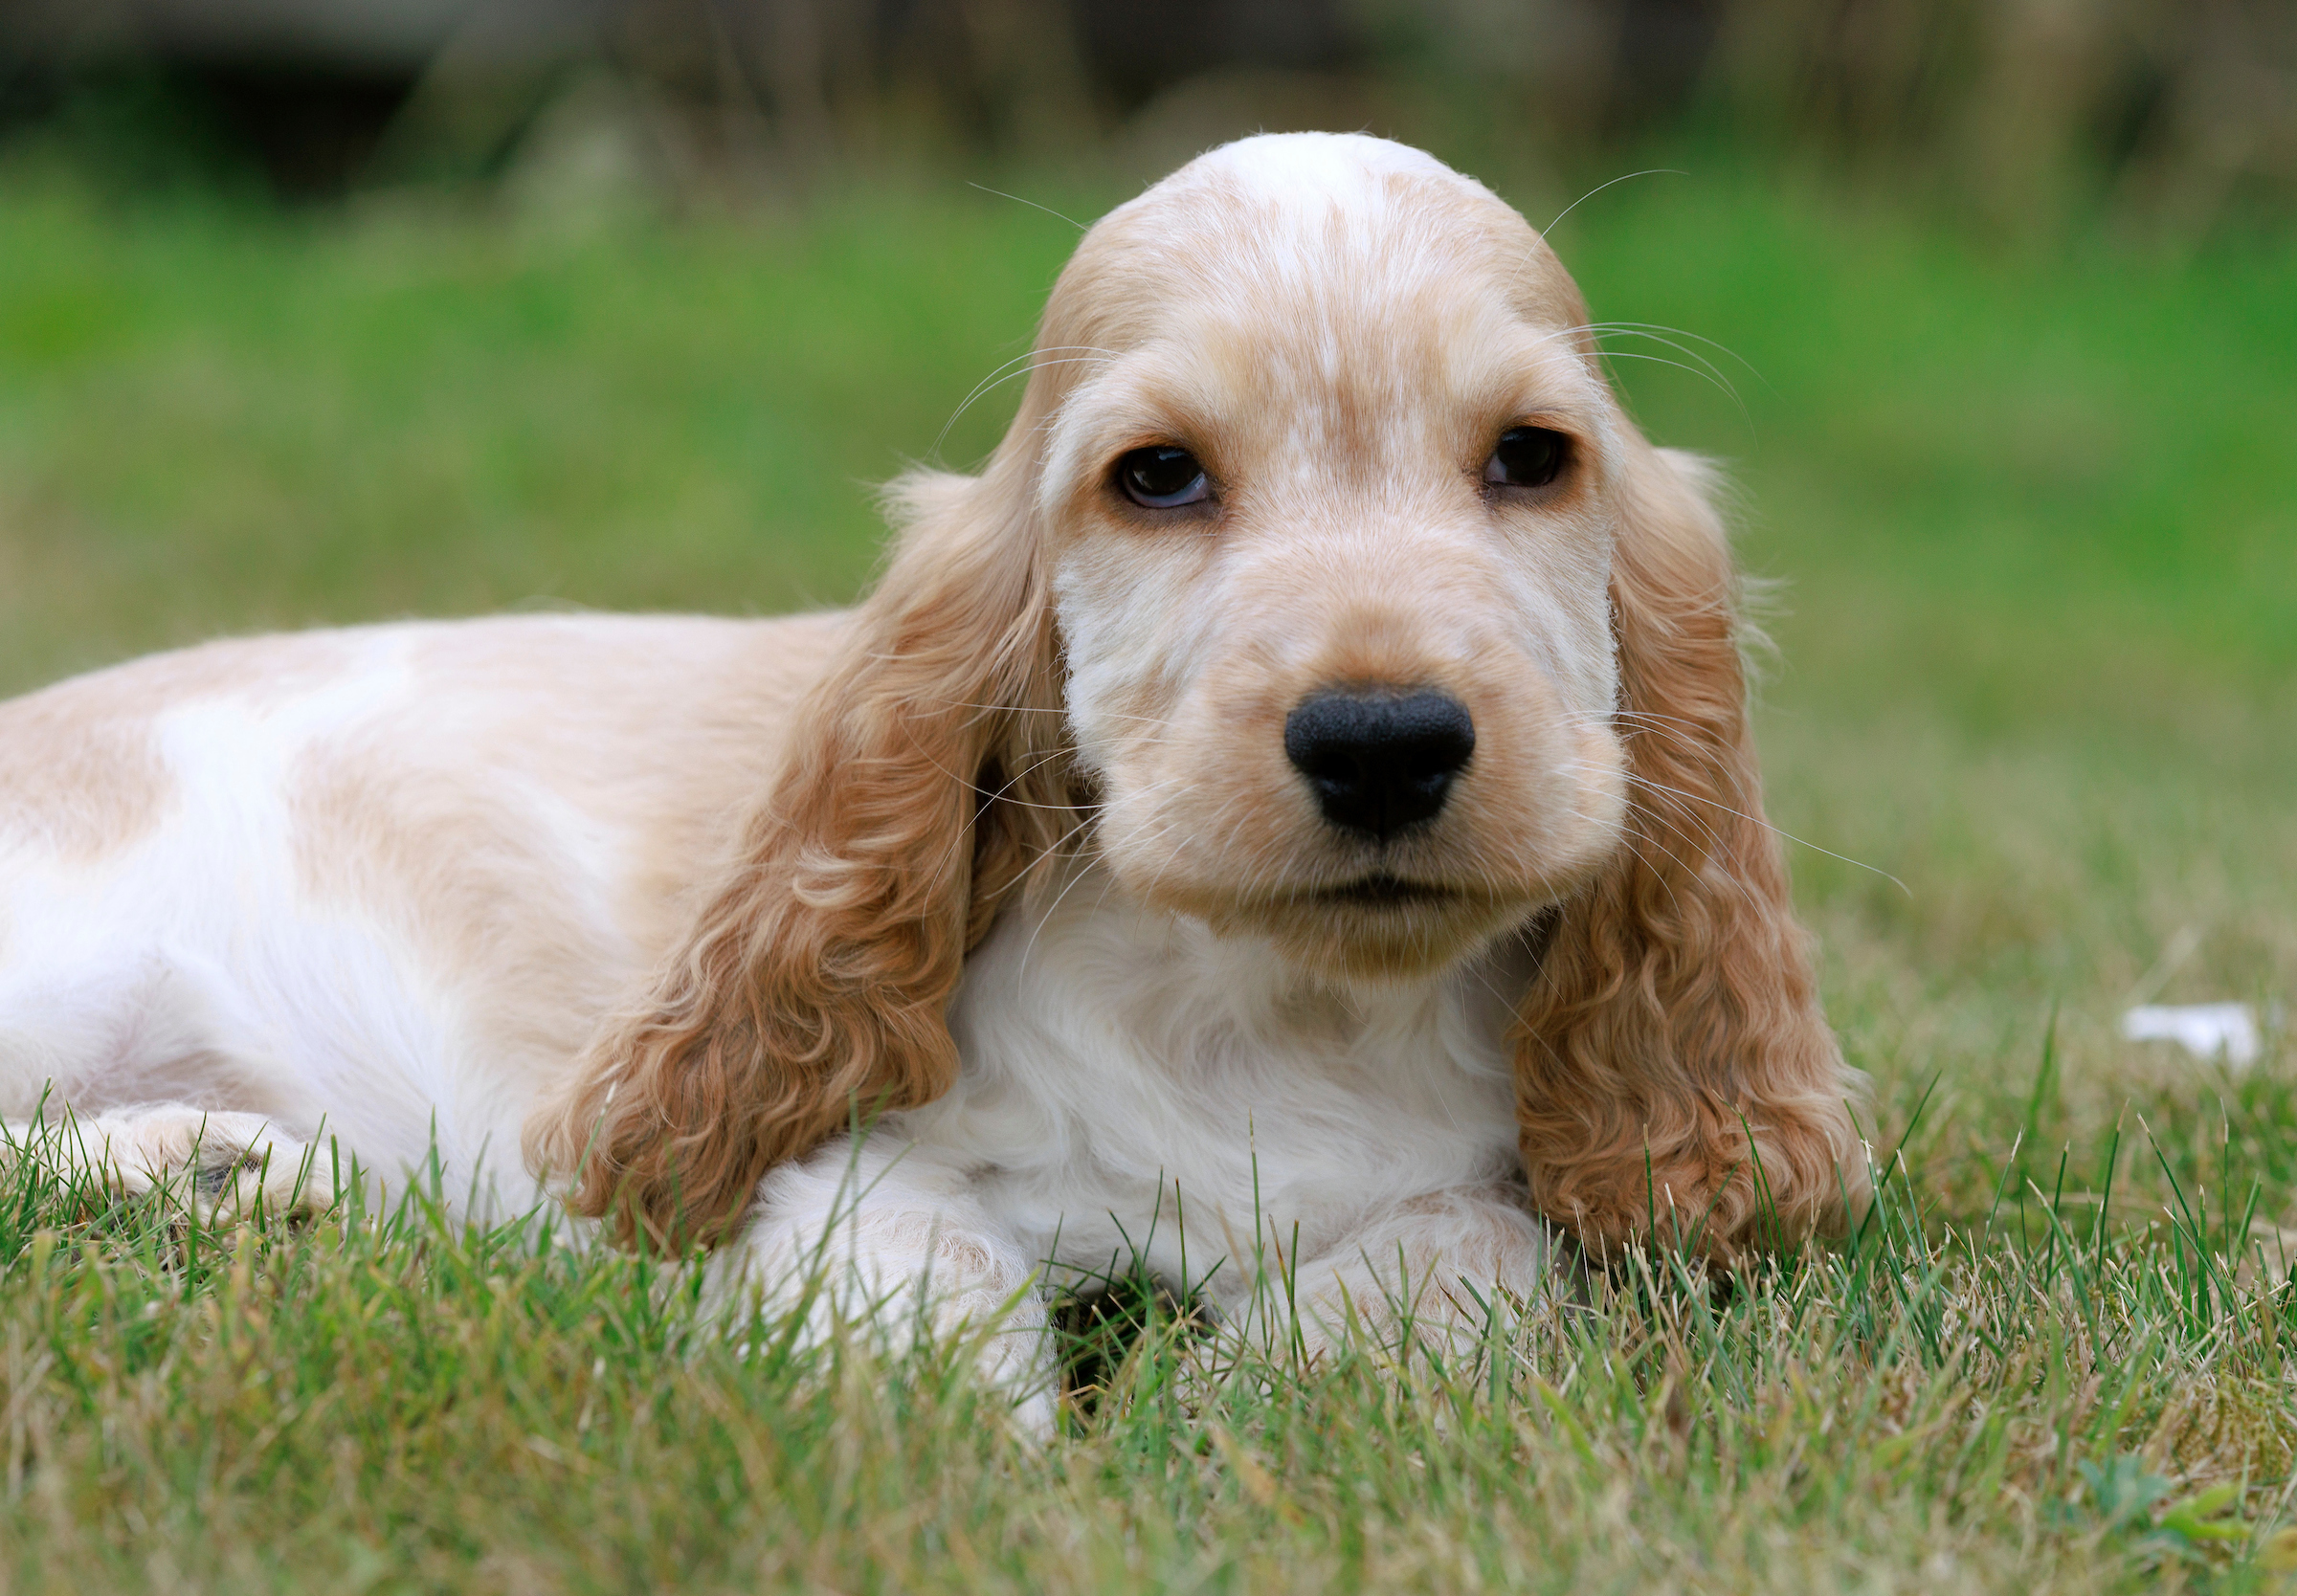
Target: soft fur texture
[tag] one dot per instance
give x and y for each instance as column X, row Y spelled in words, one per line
column 1008, row 868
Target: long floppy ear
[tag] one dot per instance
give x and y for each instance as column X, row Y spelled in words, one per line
column 1674, row 1071
column 921, row 777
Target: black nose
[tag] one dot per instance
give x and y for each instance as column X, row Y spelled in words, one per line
column 1379, row 763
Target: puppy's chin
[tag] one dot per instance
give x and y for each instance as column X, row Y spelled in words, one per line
column 1378, row 930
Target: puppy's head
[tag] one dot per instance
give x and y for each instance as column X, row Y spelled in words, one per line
column 1321, row 587
column 1329, row 483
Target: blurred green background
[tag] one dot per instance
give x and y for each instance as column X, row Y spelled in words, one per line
column 1990, row 310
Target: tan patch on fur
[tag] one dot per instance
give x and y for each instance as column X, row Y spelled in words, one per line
column 80, row 769
column 74, row 787
column 660, row 733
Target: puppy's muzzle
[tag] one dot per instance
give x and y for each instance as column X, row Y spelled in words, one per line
column 1380, row 761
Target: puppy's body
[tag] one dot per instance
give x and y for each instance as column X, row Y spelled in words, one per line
column 387, row 879
column 1159, row 845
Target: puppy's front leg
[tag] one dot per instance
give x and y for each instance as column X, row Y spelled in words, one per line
column 1428, row 1270
column 892, row 1240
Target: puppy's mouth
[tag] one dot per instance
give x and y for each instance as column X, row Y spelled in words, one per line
column 1381, row 890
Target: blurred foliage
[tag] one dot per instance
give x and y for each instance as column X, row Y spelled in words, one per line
column 2176, row 119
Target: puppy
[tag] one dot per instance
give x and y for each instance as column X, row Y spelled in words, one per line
column 1292, row 813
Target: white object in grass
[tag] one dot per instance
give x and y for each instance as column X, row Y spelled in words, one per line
column 2204, row 1029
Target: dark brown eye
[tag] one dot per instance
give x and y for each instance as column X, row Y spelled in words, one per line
column 1528, row 457
column 1162, row 476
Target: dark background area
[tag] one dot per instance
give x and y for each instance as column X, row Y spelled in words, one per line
column 2172, row 118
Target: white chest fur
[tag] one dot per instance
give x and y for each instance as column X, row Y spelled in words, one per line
column 1299, row 1156
column 1132, row 1083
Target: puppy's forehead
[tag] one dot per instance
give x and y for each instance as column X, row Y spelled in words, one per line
column 1308, row 222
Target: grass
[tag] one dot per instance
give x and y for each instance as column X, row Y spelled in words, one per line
column 2038, row 663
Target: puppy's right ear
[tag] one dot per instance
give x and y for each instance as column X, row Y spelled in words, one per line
column 923, row 774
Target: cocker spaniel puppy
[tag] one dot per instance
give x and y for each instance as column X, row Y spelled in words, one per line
column 1295, row 807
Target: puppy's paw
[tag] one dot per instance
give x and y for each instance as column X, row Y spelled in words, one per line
column 1036, row 1418
column 226, row 1165
column 243, row 1173
column 958, row 1294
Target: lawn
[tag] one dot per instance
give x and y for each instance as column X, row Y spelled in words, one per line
column 2032, row 719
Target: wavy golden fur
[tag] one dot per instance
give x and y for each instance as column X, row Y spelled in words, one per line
column 922, row 779
column 1674, row 1069
column 1673, row 1066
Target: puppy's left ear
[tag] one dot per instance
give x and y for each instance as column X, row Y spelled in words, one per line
column 920, row 779
column 1674, row 1070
